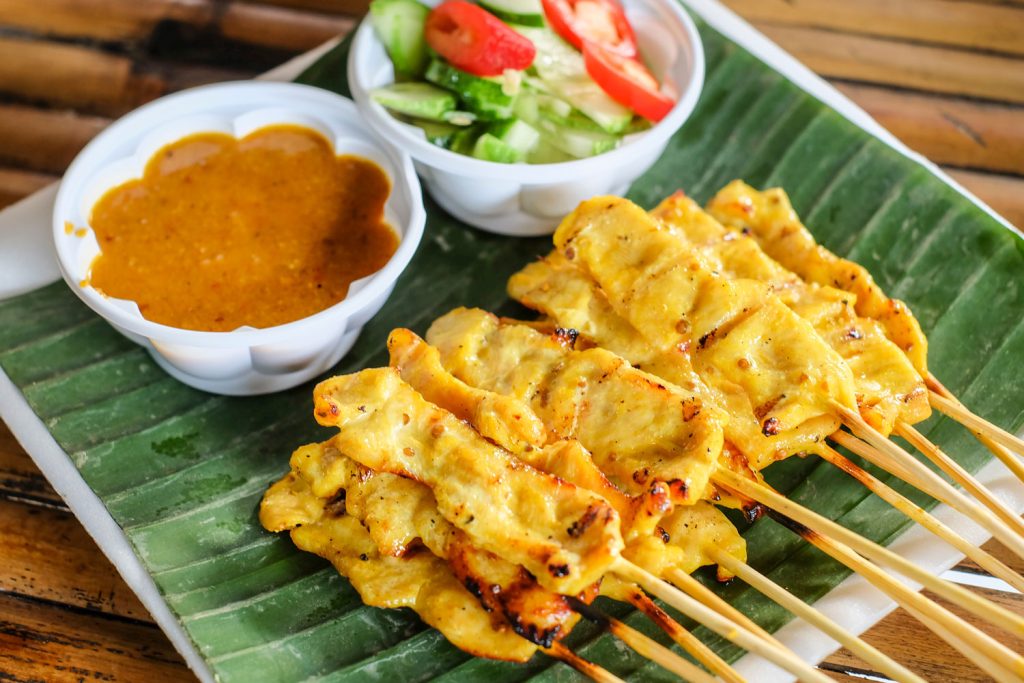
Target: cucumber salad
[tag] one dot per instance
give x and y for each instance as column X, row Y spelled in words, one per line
column 535, row 81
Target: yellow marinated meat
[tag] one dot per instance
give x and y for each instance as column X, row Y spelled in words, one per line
column 560, row 290
column 769, row 217
column 566, row 536
column 375, row 532
column 888, row 386
column 641, row 515
column 741, row 335
column 684, row 539
column 592, row 396
column 505, row 420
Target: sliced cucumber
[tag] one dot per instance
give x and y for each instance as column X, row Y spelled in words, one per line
column 485, row 97
column 532, row 105
column 490, row 148
column 419, row 100
column 524, row 12
column 464, row 139
column 545, row 153
column 438, row 133
column 577, row 143
column 399, row 25
column 517, row 134
column 561, row 71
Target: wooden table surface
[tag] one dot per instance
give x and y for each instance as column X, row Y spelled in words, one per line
column 947, row 77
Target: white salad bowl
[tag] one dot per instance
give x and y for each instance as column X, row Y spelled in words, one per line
column 530, row 199
column 247, row 360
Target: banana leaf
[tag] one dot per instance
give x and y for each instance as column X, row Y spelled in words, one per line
column 182, row 471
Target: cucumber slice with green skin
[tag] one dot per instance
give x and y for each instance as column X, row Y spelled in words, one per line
column 485, row 97
column 531, row 106
column 440, row 134
column 490, row 148
column 561, row 72
column 399, row 25
column 574, row 142
column 519, row 135
column 419, row 100
column 545, row 153
column 464, row 139
column 523, row 12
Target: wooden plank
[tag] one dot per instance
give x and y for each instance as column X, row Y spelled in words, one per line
column 73, row 76
column 356, row 8
column 904, row 639
column 921, row 67
column 44, row 139
column 108, row 20
column 962, row 24
column 44, row 642
column 16, row 184
column 20, row 479
column 1003, row 193
column 293, row 29
column 948, row 130
column 48, row 555
column 281, row 28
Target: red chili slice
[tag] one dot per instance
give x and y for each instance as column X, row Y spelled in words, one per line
column 627, row 81
column 595, row 21
column 474, row 40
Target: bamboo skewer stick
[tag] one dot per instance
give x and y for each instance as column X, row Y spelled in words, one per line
column 1012, row 461
column 891, row 457
column 698, row 591
column 716, row 622
column 977, row 605
column 960, row 476
column 644, row 646
column 944, row 624
column 589, row 669
column 772, row 590
column 686, row 640
column 925, row 519
column 968, row 419
column 952, row 629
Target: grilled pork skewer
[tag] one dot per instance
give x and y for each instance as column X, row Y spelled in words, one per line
column 384, row 424
column 561, row 291
column 397, row 515
column 770, row 219
column 525, row 359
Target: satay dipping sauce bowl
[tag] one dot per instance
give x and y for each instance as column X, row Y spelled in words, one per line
column 246, row 360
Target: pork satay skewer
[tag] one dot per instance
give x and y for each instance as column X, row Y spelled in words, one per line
column 380, row 402
column 588, row 669
column 396, row 513
column 474, row 334
column 510, row 423
column 771, row 220
column 633, row 260
column 421, row 365
column 563, row 292
column 904, row 399
column 833, row 539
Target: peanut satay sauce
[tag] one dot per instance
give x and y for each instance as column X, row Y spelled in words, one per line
column 223, row 232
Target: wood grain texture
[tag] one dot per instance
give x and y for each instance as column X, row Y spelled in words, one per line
column 909, row 65
column 997, row 28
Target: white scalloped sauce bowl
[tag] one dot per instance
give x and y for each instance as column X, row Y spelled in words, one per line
column 530, row 199
column 244, row 361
